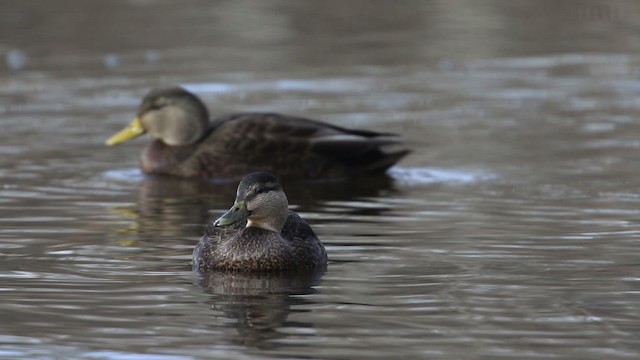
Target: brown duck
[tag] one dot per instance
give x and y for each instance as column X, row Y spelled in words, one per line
column 260, row 234
column 186, row 144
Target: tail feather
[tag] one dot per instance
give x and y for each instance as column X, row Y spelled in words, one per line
column 371, row 153
column 385, row 162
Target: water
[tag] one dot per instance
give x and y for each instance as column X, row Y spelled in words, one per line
column 511, row 231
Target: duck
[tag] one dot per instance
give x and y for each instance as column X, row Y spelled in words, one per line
column 259, row 234
column 187, row 144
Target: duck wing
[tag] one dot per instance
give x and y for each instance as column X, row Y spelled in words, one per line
column 297, row 147
column 307, row 247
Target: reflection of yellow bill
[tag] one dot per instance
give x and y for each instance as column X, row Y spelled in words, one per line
column 133, row 130
column 129, row 230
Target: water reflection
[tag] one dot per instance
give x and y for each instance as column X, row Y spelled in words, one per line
column 259, row 304
column 166, row 206
column 538, row 261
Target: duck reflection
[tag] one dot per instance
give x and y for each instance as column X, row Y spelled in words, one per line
column 171, row 208
column 309, row 196
column 179, row 208
column 260, row 302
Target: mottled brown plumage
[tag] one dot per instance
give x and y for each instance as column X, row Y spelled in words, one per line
column 187, row 145
column 259, row 233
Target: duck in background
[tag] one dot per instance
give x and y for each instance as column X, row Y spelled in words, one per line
column 187, row 144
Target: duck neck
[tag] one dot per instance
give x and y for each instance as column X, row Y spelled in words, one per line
column 264, row 225
column 272, row 215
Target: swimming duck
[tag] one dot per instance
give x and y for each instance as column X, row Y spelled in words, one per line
column 186, row 144
column 259, row 233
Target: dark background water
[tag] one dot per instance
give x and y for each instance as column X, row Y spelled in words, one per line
column 511, row 231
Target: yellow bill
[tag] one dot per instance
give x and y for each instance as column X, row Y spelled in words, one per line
column 133, row 130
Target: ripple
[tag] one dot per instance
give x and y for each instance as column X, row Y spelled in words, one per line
column 137, row 356
column 416, row 176
column 405, row 175
column 131, row 174
column 330, row 85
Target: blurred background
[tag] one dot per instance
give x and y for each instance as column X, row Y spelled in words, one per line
column 511, row 231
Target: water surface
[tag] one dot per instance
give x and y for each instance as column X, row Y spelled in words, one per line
column 511, row 231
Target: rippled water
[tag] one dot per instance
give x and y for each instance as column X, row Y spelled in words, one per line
column 511, row 231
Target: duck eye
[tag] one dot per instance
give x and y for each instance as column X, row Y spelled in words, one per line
column 155, row 107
